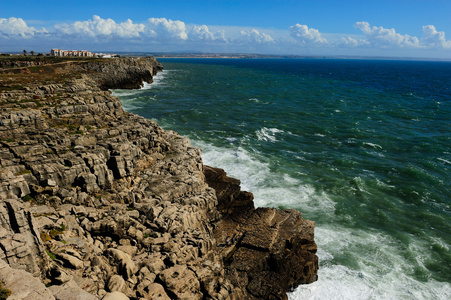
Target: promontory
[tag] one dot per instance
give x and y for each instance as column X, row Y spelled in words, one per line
column 99, row 203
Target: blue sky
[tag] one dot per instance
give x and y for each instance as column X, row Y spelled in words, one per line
column 403, row 28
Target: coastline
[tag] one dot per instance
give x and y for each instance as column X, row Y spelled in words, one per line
column 103, row 201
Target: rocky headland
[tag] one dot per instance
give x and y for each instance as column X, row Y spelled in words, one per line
column 99, row 203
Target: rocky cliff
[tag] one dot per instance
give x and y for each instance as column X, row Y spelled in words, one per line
column 98, row 203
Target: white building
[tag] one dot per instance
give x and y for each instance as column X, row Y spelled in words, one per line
column 82, row 53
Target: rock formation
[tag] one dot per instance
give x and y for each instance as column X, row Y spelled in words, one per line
column 98, row 203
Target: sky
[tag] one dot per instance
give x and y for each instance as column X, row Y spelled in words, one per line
column 387, row 28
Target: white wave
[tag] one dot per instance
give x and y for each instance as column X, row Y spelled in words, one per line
column 254, row 100
column 232, row 139
column 372, row 145
column 157, row 80
column 444, row 160
column 268, row 134
column 131, row 107
column 355, row 264
column 379, row 182
column 123, row 93
column 130, row 104
column 269, row 189
column 380, row 271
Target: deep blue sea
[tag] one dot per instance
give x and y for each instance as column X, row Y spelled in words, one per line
column 361, row 147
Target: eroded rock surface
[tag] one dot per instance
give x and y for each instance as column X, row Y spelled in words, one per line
column 98, row 203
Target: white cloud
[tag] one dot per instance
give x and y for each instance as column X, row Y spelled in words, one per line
column 17, row 27
column 307, row 36
column 175, row 35
column 203, row 33
column 156, row 29
column 350, row 42
column 167, row 29
column 386, row 38
column 253, row 36
column 98, row 27
column 433, row 38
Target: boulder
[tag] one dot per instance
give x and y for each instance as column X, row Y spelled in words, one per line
column 22, row 284
column 181, row 282
column 157, row 292
column 126, row 267
column 115, row 296
column 116, row 283
column 70, row 291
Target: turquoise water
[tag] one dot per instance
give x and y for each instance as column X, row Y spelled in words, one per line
column 361, row 147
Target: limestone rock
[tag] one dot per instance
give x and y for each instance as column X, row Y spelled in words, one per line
column 126, row 267
column 181, row 282
column 116, row 283
column 70, row 261
column 101, row 203
column 157, row 292
column 22, row 284
column 268, row 251
column 115, row 296
column 71, row 291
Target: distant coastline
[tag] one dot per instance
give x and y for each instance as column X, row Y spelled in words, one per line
column 245, row 56
column 257, row 56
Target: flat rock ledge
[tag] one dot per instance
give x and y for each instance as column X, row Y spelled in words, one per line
column 98, row 203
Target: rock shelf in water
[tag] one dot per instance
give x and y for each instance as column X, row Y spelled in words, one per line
column 99, row 203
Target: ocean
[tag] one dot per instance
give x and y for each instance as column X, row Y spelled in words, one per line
column 361, row 147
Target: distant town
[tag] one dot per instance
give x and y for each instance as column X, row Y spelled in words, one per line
column 79, row 53
column 64, row 53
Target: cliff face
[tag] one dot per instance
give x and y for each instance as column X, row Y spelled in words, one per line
column 99, row 202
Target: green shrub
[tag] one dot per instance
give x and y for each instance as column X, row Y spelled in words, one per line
column 54, row 232
column 4, row 293
column 27, row 198
column 50, row 254
column 45, row 237
column 23, row 172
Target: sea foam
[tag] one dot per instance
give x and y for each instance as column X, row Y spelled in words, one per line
column 158, row 80
column 268, row 134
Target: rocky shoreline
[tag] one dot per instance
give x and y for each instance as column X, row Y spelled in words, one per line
column 98, row 203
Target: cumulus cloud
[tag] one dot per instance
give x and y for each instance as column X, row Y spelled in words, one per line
column 202, row 33
column 253, row 36
column 176, row 35
column 307, row 35
column 17, row 27
column 154, row 28
column 386, row 38
column 433, row 38
column 167, row 29
column 98, row 27
column 351, row 42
